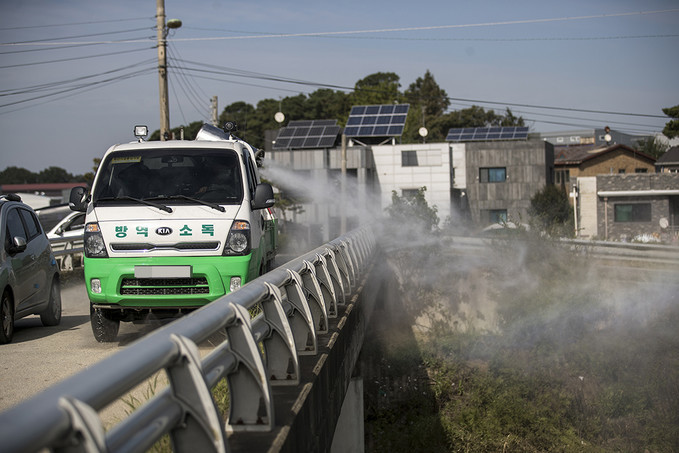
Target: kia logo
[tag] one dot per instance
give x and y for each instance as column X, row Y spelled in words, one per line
column 163, row 231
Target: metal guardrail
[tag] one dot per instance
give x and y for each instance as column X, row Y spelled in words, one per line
column 63, row 249
column 296, row 301
column 610, row 250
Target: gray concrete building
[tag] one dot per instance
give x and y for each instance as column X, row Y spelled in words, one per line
column 629, row 207
column 502, row 177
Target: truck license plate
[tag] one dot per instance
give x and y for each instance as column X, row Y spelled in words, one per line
column 162, row 271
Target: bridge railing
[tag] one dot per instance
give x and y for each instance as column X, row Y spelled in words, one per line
column 67, row 251
column 295, row 302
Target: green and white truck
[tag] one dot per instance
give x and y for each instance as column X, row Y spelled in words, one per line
column 173, row 225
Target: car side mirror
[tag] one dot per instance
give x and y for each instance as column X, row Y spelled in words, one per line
column 263, row 196
column 78, row 199
column 18, row 245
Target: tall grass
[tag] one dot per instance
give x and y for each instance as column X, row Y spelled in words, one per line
column 532, row 349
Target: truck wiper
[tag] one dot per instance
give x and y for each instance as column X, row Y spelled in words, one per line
column 137, row 200
column 195, row 200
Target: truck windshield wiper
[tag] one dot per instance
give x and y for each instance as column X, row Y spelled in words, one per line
column 195, row 200
column 137, row 200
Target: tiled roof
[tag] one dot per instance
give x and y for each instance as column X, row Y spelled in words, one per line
column 575, row 155
column 671, row 157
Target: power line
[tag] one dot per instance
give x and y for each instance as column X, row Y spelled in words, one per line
column 61, row 60
column 261, row 76
column 430, row 27
column 46, row 86
column 78, row 23
column 395, row 38
column 79, row 87
column 35, row 41
column 92, row 87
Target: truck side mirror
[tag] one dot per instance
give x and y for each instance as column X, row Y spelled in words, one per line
column 77, row 201
column 263, row 196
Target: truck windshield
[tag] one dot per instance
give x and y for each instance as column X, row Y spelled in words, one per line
column 182, row 176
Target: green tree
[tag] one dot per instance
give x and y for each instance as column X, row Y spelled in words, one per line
column 17, row 175
column 413, row 211
column 377, row 88
column 428, row 101
column 652, row 146
column 550, row 212
column 426, row 93
column 54, row 174
column 671, row 129
column 189, row 132
column 326, row 104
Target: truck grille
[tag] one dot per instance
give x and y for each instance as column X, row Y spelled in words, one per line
column 163, row 286
column 145, row 246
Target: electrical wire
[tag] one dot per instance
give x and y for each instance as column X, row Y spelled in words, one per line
column 46, row 86
column 79, row 87
column 190, row 87
column 100, row 84
column 78, row 23
column 37, row 41
column 61, row 60
column 556, row 38
column 432, row 27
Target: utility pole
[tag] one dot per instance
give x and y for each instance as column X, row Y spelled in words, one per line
column 162, row 70
column 162, row 30
column 213, row 109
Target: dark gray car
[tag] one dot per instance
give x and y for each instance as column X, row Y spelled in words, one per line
column 29, row 275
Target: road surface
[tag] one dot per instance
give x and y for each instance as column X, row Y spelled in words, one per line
column 39, row 357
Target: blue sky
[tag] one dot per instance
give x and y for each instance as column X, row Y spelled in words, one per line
column 615, row 56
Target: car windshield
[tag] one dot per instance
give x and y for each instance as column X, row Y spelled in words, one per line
column 168, row 175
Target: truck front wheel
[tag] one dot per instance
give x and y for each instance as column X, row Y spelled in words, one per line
column 104, row 325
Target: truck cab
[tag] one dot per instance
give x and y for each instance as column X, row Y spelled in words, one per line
column 173, row 225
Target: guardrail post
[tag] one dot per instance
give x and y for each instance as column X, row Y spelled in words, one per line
column 279, row 346
column 250, row 404
column 201, row 429
column 315, row 297
column 300, row 318
column 341, row 291
column 87, row 434
column 343, row 263
column 325, row 282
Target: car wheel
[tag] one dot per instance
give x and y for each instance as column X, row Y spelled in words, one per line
column 104, row 326
column 6, row 318
column 52, row 315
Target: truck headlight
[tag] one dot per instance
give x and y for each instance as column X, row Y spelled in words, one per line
column 93, row 242
column 238, row 240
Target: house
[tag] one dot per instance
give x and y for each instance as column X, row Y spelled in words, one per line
column 627, row 207
column 503, row 176
column 591, row 160
column 668, row 162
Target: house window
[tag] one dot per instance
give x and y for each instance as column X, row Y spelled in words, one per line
column 632, row 212
column 497, row 215
column 621, row 171
column 492, row 174
column 409, row 159
column 641, row 170
column 562, row 177
column 409, row 193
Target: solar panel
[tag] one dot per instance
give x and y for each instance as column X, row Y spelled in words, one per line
column 482, row 134
column 386, row 120
column 307, row 134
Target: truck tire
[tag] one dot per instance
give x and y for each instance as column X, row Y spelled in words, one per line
column 52, row 314
column 104, row 326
